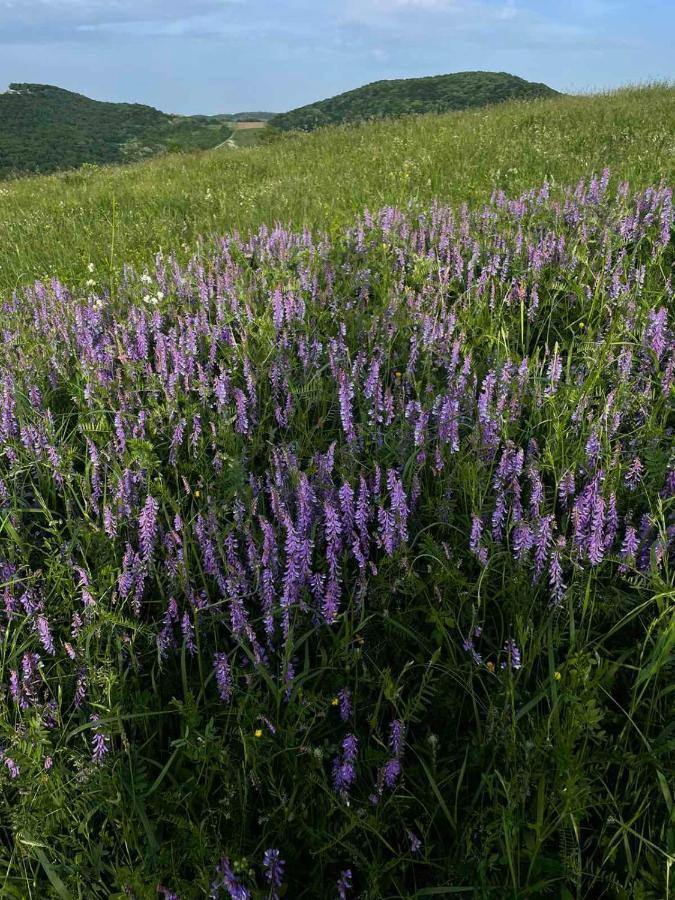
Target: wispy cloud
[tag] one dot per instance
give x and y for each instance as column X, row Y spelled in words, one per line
column 28, row 18
column 292, row 51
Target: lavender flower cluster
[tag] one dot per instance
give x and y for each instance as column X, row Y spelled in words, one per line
column 241, row 459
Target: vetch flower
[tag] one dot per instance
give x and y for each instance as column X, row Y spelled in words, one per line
column 221, row 668
column 344, row 883
column 147, row 527
column 513, row 655
column 274, row 871
column 99, row 741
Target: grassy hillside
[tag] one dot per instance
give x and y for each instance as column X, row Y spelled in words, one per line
column 248, row 132
column 407, row 96
column 57, row 225
column 338, row 560
column 45, row 129
column 247, row 117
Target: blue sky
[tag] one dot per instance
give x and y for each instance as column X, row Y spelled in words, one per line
column 208, row 56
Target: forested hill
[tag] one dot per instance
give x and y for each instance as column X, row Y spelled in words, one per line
column 45, row 129
column 406, row 96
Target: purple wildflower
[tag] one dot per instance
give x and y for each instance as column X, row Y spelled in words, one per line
column 188, row 632
column 475, row 546
column 555, row 573
column 593, row 449
column 554, row 373
column 109, row 522
column 147, row 527
column 414, row 841
column 241, row 403
column 566, row 487
column 513, row 655
column 656, row 333
column 396, row 737
column 12, row 767
column 345, row 698
column 391, row 772
column 629, row 547
column 344, row 773
column 120, row 436
column 543, row 537
column 45, row 635
column 80, row 688
column 274, row 871
column 221, row 669
column 99, row 741
column 344, row 883
column 176, row 441
column 596, row 544
column 226, row 878
column 634, row 474
column 345, row 395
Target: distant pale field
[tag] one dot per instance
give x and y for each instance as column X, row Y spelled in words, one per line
column 246, row 126
column 59, row 225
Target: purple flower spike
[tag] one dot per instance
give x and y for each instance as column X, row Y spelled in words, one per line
column 344, row 883
column 345, row 394
column 513, row 654
column 475, row 545
column 344, row 773
column 634, row 474
column 147, row 527
column 391, row 773
column 345, row 698
column 225, row 878
column 45, row 635
column 396, row 737
column 12, row 767
column 99, row 742
column 274, row 871
column 414, row 841
column 221, row 669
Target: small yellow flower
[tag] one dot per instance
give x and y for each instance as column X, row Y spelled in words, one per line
column 258, row 732
column 334, row 701
column 397, row 374
column 490, row 666
column 557, row 676
column 198, row 493
column 581, row 326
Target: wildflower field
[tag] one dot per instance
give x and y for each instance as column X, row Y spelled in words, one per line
column 337, row 560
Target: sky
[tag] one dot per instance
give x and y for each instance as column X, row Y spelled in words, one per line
column 214, row 56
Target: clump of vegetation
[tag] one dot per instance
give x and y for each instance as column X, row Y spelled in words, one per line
column 342, row 564
column 412, row 96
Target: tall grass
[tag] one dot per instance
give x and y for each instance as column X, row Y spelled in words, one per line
column 56, row 226
column 355, row 542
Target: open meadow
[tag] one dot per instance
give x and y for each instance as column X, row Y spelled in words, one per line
column 337, row 514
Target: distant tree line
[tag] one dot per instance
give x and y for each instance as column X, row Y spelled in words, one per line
column 45, row 129
column 410, row 96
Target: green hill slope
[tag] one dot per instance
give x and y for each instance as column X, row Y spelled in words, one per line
column 58, row 224
column 45, row 128
column 405, row 96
